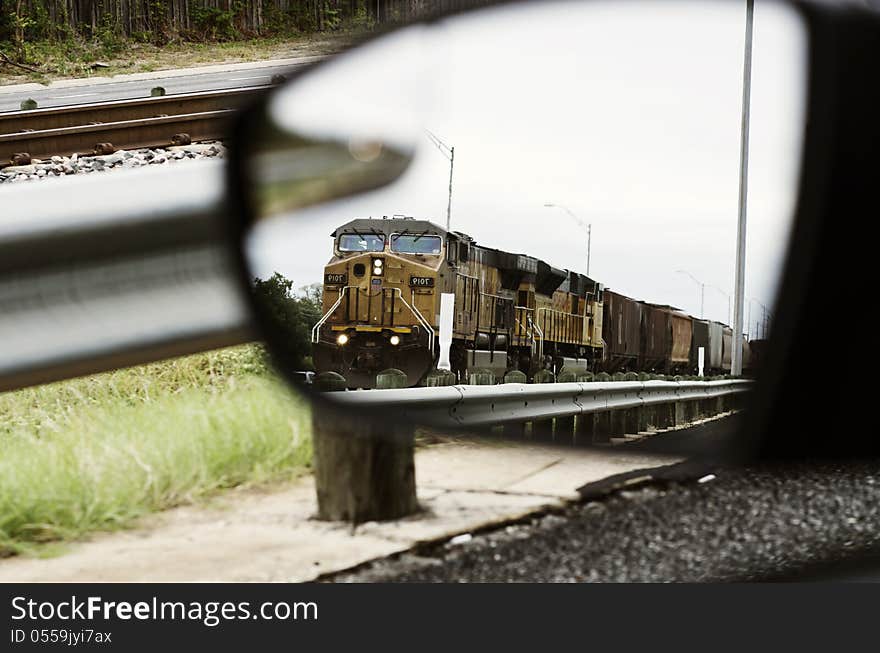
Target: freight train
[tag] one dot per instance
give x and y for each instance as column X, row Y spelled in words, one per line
column 382, row 307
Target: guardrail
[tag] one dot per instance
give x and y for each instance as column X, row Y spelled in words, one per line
column 582, row 413
column 112, row 269
column 636, row 405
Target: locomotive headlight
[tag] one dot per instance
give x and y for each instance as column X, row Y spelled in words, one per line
column 377, row 267
column 394, row 340
column 341, row 339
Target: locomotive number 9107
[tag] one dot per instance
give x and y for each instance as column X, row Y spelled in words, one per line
column 421, row 282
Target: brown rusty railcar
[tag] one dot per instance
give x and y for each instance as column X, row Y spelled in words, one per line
column 621, row 331
column 666, row 339
column 681, row 332
column 654, row 338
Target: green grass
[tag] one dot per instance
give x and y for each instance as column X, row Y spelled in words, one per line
column 96, row 453
column 73, row 58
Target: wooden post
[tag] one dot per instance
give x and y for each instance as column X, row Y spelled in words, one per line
column 514, row 430
column 542, row 430
column 364, row 469
column 563, row 431
column 585, row 426
column 602, row 427
column 632, row 420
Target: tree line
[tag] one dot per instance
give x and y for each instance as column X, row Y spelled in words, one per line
column 163, row 20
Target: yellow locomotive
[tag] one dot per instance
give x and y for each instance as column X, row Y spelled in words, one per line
column 382, row 306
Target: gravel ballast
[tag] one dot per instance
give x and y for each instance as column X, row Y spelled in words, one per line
column 62, row 166
column 741, row 524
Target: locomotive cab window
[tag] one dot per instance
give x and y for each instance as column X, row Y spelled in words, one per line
column 416, row 244
column 361, row 243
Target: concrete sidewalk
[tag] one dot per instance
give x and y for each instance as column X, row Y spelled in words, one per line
column 270, row 535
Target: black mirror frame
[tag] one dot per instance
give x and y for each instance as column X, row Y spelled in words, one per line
column 841, row 141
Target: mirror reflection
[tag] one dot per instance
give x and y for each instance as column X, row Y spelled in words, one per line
column 524, row 193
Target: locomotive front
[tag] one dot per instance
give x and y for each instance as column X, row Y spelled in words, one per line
column 381, row 300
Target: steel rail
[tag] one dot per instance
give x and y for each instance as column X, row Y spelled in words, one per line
column 481, row 405
column 127, row 124
column 129, row 134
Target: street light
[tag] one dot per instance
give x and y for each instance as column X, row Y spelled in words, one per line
column 449, row 153
column 726, row 294
column 739, row 286
column 763, row 330
column 586, row 225
column 702, row 291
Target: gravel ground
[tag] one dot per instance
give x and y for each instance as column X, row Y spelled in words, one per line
column 62, row 166
column 745, row 524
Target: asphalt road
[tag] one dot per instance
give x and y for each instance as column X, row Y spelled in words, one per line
column 123, row 90
column 762, row 522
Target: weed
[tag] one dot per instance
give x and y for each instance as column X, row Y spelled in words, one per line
column 95, row 453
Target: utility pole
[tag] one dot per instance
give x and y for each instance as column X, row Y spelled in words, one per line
column 702, row 291
column 749, row 321
column 589, row 244
column 449, row 203
column 449, row 153
column 585, row 225
column 757, row 332
column 739, row 288
column 726, row 294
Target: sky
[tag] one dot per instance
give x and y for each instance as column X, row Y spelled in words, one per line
column 626, row 113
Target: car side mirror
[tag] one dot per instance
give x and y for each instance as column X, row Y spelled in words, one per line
column 617, row 143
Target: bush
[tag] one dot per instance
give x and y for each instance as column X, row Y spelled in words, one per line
column 216, row 24
column 292, row 316
column 108, row 36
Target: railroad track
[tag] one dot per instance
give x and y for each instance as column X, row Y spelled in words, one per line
column 121, row 124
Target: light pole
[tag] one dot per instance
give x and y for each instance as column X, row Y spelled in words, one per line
column 449, row 153
column 588, row 226
column 702, row 291
column 739, row 288
column 726, row 294
column 763, row 331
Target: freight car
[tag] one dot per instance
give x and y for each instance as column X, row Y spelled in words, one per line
column 622, row 333
column 382, row 304
column 666, row 339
